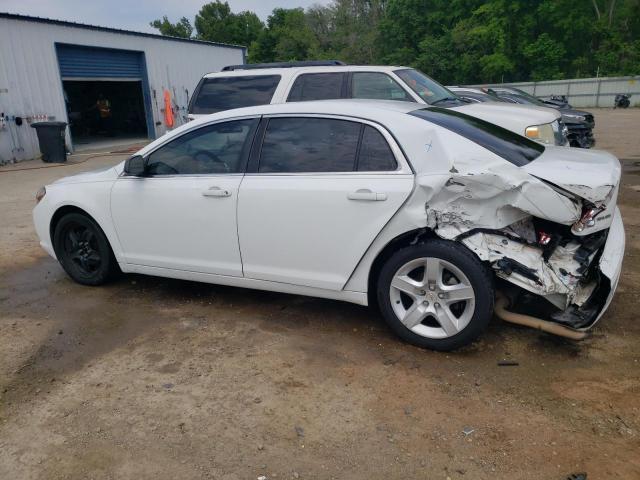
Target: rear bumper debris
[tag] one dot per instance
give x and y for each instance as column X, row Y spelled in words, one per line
column 578, row 278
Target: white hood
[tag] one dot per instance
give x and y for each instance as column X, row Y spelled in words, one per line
column 102, row 174
column 512, row 117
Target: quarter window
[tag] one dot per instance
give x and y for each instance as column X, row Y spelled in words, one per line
column 379, row 86
column 317, row 86
column 215, row 149
column 375, row 154
column 224, row 93
column 309, row 145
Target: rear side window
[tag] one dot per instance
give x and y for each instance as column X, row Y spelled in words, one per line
column 375, row 154
column 375, row 85
column 512, row 147
column 317, row 86
column 293, row 145
column 224, row 93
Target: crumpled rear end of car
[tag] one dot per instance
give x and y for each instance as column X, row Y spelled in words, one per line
column 550, row 230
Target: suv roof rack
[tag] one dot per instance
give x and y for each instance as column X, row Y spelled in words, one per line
column 307, row 63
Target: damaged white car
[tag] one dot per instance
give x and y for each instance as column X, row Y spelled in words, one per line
column 426, row 212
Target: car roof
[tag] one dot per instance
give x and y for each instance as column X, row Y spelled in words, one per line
column 295, row 70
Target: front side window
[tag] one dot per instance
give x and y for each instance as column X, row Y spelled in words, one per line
column 317, row 86
column 309, row 145
column 514, row 148
column 224, row 93
column 375, row 85
column 214, row 149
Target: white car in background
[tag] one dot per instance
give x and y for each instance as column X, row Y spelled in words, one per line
column 422, row 211
column 260, row 84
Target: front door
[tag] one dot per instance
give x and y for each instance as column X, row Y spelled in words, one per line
column 322, row 189
column 182, row 214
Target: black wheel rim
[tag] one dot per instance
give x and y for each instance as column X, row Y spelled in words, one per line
column 81, row 248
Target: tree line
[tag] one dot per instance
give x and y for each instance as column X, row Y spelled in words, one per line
column 454, row 41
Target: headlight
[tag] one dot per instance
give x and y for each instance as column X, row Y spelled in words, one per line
column 541, row 133
column 40, row 194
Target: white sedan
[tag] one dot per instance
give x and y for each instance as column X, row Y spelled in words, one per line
column 422, row 211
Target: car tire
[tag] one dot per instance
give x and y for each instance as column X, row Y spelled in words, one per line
column 436, row 295
column 83, row 250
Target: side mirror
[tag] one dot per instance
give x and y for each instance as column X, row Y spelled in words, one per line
column 135, row 166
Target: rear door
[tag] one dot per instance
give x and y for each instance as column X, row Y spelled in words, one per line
column 317, row 192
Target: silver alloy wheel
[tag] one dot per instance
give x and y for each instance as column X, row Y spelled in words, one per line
column 432, row 297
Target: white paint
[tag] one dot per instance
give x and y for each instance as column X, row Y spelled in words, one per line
column 30, row 82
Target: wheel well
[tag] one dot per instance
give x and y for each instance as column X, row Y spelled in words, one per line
column 61, row 212
column 405, row 239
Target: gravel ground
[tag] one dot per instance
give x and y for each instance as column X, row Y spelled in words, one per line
column 156, row 378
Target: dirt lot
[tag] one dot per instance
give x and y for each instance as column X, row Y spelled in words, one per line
column 154, row 378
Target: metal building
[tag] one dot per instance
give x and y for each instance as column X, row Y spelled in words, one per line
column 65, row 71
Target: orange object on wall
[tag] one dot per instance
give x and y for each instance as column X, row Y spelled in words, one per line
column 168, row 111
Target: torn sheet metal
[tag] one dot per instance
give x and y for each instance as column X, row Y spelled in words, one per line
column 557, row 279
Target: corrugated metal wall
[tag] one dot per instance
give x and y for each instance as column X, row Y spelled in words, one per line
column 586, row 92
column 30, row 82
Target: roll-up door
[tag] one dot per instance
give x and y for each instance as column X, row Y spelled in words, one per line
column 79, row 62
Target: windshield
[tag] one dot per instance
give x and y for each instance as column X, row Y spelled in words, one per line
column 428, row 89
column 493, row 96
column 526, row 98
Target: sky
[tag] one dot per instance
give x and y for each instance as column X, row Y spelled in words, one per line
column 136, row 14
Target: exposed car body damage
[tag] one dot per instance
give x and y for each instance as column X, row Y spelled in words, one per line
column 522, row 221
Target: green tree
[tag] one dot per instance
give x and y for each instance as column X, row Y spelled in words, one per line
column 545, row 57
column 287, row 37
column 216, row 22
column 182, row 28
column 455, row 41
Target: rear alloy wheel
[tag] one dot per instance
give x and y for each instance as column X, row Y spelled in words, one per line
column 83, row 250
column 436, row 295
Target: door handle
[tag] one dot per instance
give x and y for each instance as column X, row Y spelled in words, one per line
column 216, row 192
column 367, row 195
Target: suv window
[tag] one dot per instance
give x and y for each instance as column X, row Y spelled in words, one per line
column 375, row 85
column 218, row 148
column 375, row 154
column 309, row 145
column 512, row 147
column 317, row 86
column 224, row 93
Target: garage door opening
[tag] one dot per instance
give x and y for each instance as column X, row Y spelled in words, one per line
column 105, row 112
column 106, row 95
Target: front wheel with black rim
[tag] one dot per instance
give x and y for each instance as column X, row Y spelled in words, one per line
column 436, row 295
column 83, row 250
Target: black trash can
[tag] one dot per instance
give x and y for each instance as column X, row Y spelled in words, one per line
column 51, row 140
